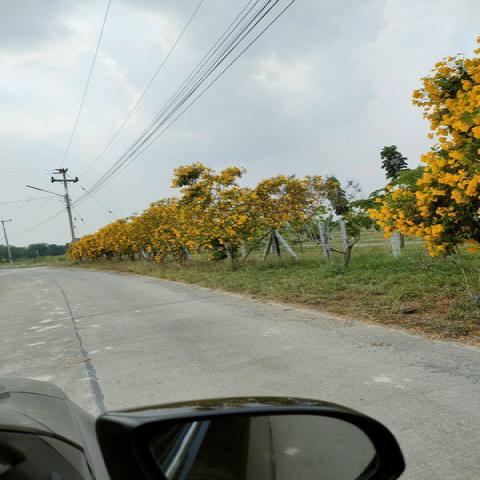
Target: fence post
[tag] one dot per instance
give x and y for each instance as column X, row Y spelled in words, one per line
column 300, row 241
column 268, row 245
column 343, row 232
column 396, row 244
column 325, row 243
column 275, row 244
column 286, row 245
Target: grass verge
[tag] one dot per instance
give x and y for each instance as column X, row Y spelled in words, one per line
column 37, row 262
column 415, row 292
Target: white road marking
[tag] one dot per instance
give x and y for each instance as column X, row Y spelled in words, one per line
column 382, row 379
column 42, row 378
column 50, row 327
column 292, row 451
column 385, row 379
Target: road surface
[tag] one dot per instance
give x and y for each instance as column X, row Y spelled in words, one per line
column 114, row 340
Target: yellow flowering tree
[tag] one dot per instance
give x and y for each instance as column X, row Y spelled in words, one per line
column 288, row 200
column 111, row 241
column 443, row 205
column 223, row 216
column 172, row 232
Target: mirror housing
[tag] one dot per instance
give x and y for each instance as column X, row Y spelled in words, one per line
column 125, row 436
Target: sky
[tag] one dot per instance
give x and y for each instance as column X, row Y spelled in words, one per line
column 319, row 94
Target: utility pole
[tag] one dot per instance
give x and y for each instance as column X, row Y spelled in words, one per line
column 65, row 181
column 66, row 197
column 10, row 258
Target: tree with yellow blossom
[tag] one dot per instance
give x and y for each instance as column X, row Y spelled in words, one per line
column 443, row 205
column 222, row 215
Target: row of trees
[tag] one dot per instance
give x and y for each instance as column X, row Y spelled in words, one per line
column 35, row 250
column 215, row 215
column 439, row 201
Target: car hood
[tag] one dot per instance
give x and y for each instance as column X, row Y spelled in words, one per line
column 41, row 408
column 37, row 407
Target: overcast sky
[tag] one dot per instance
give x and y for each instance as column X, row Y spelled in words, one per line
column 321, row 93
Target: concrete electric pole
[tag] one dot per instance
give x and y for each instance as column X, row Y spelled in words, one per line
column 65, row 181
column 66, row 197
column 10, row 258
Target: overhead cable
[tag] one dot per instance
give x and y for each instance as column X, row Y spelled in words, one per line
column 185, row 94
column 87, row 84
column 146, row 89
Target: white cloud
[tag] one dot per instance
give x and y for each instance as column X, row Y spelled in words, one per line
column 291, row 78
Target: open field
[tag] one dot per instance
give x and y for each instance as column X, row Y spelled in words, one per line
column 416, row 291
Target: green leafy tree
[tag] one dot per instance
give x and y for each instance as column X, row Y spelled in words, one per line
column 32, row 251
column 393, row 161
column 336, row 196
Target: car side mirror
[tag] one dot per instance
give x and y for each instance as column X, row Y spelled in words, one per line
column 248, row 439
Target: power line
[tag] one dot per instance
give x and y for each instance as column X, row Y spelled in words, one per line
column 43, row 222
column 26, row 212
column 95, row 198
column 182, row 112
column 23, row 208
column 80, row 217
column 170, row 109
column 85, row 90
column 66, row 197
column 198, row 76
column 26, row 200
column 201, row 64
column 146, row 134
column 147, row 87
column 40, row 205
column 224, row 54
column 18, row 173
column 98, row 201
column 192, row 78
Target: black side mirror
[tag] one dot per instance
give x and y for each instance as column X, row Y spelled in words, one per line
column 248, row 439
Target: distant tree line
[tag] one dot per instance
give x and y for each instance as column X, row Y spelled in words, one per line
column 35, row 250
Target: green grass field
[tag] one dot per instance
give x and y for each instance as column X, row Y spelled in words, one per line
column 376, row 287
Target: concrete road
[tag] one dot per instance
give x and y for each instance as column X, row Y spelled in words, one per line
column 113, row 341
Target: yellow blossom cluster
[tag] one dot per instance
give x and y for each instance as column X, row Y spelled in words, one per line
column 443, row 207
